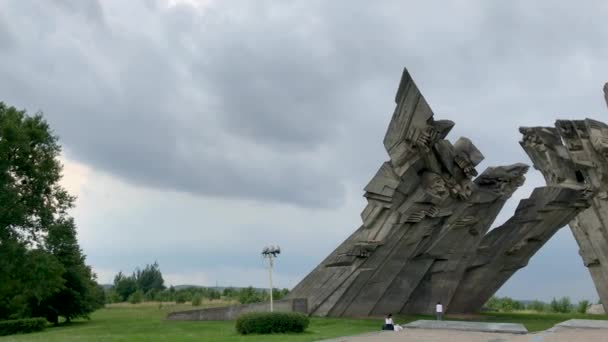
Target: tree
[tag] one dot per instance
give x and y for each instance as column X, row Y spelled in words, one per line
column 124, row 286
column 582, row 306
column 35, row 276
column 182, row 296
column 33, row 211
column 80, row 295
column 136, row 297
column 279, row 294
column 537, row 305
column 250, row 295
column 505, row 304
column 230, row 293
column 562, row 306
column 196, row 300
column 30, row 195
column 150, row 278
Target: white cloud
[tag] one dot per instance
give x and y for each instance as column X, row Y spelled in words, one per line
column 75, row 175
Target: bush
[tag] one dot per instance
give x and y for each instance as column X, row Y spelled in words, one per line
column 136, row 297
column 561, row 306
column 196, row 300
column 537, row 306
column 504, row 304
column 182, row 297
column 271, row 322
column 581, row 307
column 22, row 326
column 250, row 295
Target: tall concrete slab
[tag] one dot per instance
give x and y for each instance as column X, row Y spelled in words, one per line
column 425, row 197
column 574, row 154
column 425, row 235
column 508, row 248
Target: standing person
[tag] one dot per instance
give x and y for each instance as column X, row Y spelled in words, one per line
column 439, row 311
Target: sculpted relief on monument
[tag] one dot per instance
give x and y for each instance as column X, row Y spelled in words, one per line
column 425, row 235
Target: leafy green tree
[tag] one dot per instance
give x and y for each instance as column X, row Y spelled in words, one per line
column 136, row 297
column 30, row 195
column 150, row 278
column 582, row 306
column 80, row 295
column 279, row 294
column 36, row 278
column 230, row 293
column 182, row 297
column 493, row 304
column 196, row 300
column 505, row 304
column 124, row 286
column 537, row 306
column 112, row 296
column 33, row 213
column 250, row 295
column 566, row 304
column 562, row 305
column 213, row 294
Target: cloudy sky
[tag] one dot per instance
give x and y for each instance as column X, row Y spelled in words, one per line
column 197, row 132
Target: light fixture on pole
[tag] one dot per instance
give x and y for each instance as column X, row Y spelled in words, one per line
column 270, row 253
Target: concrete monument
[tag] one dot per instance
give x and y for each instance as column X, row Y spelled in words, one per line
column 426, row 233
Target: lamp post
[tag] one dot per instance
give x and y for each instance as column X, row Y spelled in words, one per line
column 270, row 253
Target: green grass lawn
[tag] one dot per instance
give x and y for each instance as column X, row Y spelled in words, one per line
column 146, row 323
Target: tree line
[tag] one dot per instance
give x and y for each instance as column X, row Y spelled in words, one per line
column 562, row 305
column 42, row 268
column 147, row 284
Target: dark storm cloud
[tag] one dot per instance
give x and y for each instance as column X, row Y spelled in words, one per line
column 287, row 101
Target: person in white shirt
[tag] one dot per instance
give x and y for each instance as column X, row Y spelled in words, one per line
column 439, row 311
column 390, row 325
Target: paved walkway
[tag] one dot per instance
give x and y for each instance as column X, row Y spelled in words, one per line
column 565, row 332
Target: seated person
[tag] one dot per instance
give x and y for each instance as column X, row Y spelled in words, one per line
column 390, row 325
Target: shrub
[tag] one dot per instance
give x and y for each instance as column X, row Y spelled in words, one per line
column 537, row 306
column 181, row 297
column 196, row 300
column 271, row 322
column 561, row 306
column 250, row 295
column 504, row 304
column 136, row 297
column 22, row 326
column 581, row 307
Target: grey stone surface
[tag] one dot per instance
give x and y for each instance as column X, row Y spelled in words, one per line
column 424, row 236
column 227, row 313
column 575, row 155
column 596, row 309
column 584, row 324
column 403, row 258
column 511, row 328
column 509, row 247
column 554, row 334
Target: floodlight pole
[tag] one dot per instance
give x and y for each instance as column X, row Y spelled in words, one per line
column 271, row 252
column 270, row 277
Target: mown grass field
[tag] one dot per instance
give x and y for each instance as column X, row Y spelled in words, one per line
column 145, row 322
